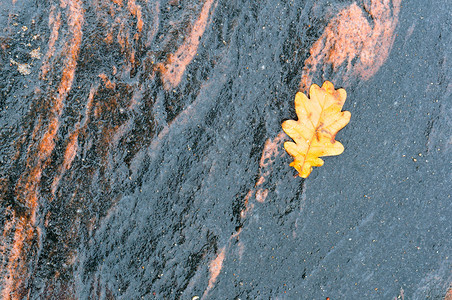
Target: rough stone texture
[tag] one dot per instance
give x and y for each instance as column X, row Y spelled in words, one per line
column 141, row 150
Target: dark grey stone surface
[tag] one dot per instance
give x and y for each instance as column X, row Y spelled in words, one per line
column 144, row 215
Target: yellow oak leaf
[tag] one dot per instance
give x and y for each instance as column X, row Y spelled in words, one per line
column 319, row 120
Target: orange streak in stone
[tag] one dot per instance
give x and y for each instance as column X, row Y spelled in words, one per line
column 55, row 22
column 349, row 36
column 108, row 84
column 215, row 269
column 241, row 249
column 448, row 294
column 69, row 155
column 27, row 189
column 109, row 36
column 261, row 195
column 118, row 2
column 248, row 206
column 174, row 69
column 271, row 150
column 89, row 105
column 260, row 181
column 135, row 10
column 154, row 27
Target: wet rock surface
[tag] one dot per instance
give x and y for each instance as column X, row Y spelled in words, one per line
column 142, row 156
